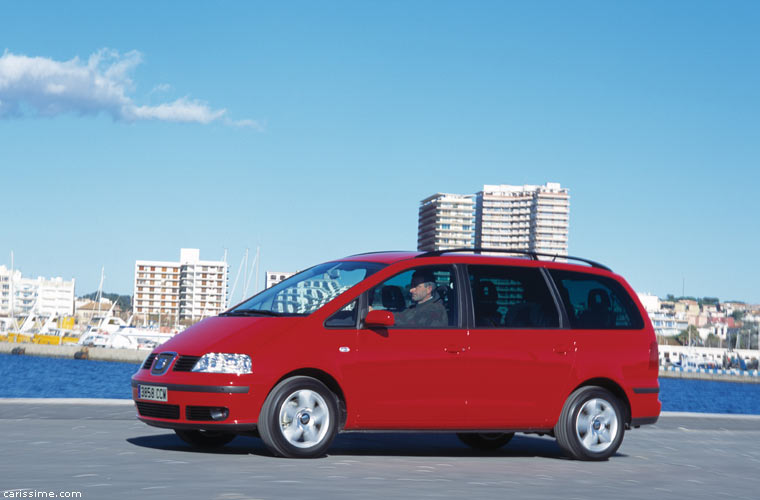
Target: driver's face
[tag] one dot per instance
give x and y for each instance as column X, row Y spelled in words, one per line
column 420, row 292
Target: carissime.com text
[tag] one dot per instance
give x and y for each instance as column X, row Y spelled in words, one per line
column 41, row 494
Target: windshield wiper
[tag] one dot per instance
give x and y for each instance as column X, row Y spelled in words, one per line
column 250, row 312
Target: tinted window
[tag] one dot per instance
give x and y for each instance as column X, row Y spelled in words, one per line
column 423, row 297
column 345, row 317
column 596, row 302
column 511, row 297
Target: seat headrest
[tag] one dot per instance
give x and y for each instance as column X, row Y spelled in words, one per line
column 392, row 297
column 598, row 299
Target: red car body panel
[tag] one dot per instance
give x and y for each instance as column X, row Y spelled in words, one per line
column 518, row 378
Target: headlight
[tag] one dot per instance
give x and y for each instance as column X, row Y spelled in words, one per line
column 215, row 362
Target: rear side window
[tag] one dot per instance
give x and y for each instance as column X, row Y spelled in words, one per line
column 596, row 302
column 511, row 297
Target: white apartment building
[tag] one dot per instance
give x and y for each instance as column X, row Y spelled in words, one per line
column 446, row 221
column 527, row 218
column 55, row 297
column 532, row 218
column 43, row 296
column 189, row 289
column 273, row 277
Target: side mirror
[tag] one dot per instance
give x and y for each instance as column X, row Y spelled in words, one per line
column 379, row 319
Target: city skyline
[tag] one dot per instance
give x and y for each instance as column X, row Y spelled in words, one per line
column 313, row 131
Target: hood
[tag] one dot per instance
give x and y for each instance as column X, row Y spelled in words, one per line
column 228, row 334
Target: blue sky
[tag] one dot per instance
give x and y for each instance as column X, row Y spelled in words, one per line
column 313, row 130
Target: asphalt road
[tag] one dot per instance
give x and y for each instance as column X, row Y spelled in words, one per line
column 98, row 448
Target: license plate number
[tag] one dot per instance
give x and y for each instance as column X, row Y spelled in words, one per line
column 154, row 393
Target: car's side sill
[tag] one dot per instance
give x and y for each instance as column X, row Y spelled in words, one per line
column 449, row 431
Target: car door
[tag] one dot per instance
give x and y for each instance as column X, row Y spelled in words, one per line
column 521, row 358
column 411, row 374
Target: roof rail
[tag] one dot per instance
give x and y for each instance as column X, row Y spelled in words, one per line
column 531, row 254
column 381, row 251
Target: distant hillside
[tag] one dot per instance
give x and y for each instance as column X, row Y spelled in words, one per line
column 123, row 301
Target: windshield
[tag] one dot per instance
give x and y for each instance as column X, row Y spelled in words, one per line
column 307, row 291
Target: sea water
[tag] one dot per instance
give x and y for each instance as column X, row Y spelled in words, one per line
column 35, row 377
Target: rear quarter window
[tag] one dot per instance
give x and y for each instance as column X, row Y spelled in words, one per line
column 596, row 302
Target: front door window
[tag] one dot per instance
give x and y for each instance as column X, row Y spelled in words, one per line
column 424, row 297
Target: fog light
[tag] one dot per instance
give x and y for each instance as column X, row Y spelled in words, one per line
column 219, row 413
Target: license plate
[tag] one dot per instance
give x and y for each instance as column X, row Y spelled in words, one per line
column 154, row 393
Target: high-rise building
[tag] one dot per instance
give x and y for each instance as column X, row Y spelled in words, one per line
column 527, row 218
column 42, row 296
column 190, row 289
column 534, row 218
column 446, row 221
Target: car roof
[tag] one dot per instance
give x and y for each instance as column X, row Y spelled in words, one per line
column 530, row 259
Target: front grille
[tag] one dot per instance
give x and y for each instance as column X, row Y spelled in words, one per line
column 162, row 363
column 201, row 412
column 185, row 363
column 158, row 410
column 149, row 361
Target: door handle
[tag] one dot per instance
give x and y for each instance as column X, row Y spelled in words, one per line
column 563, row 349
column 453, row 349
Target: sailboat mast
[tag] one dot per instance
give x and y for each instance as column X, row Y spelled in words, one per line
column 99, row 295
column 234, row 285
column 256, row 285
column 254, row 266
column 13, row 295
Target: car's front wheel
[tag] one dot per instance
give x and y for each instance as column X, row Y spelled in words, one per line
column 299, row 418
column 486, row 441
column 591, row 425
column 204, row 439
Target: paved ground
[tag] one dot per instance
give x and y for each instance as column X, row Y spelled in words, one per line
column 101, row 451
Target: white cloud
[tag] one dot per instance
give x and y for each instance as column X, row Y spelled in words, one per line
column 246, row 124
column 45, row 87
column 181, row 110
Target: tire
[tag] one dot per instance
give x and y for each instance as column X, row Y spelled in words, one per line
column 591, row 425
column 485, row 441
column 205, row 439
column 299, row 418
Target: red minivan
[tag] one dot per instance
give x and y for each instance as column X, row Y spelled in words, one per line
column 456, row 340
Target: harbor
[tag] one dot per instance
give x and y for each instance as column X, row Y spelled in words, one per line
column 74, row 352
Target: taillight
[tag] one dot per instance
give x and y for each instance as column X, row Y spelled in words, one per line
column 654, row 356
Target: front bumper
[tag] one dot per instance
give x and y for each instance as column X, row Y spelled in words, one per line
column 196, row 406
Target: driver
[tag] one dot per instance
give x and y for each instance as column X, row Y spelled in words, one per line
column 426, row 311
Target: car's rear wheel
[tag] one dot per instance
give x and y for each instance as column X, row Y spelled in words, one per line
column 299, row 418
column 591, row 425
column 204, row 439
column 486, row 441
